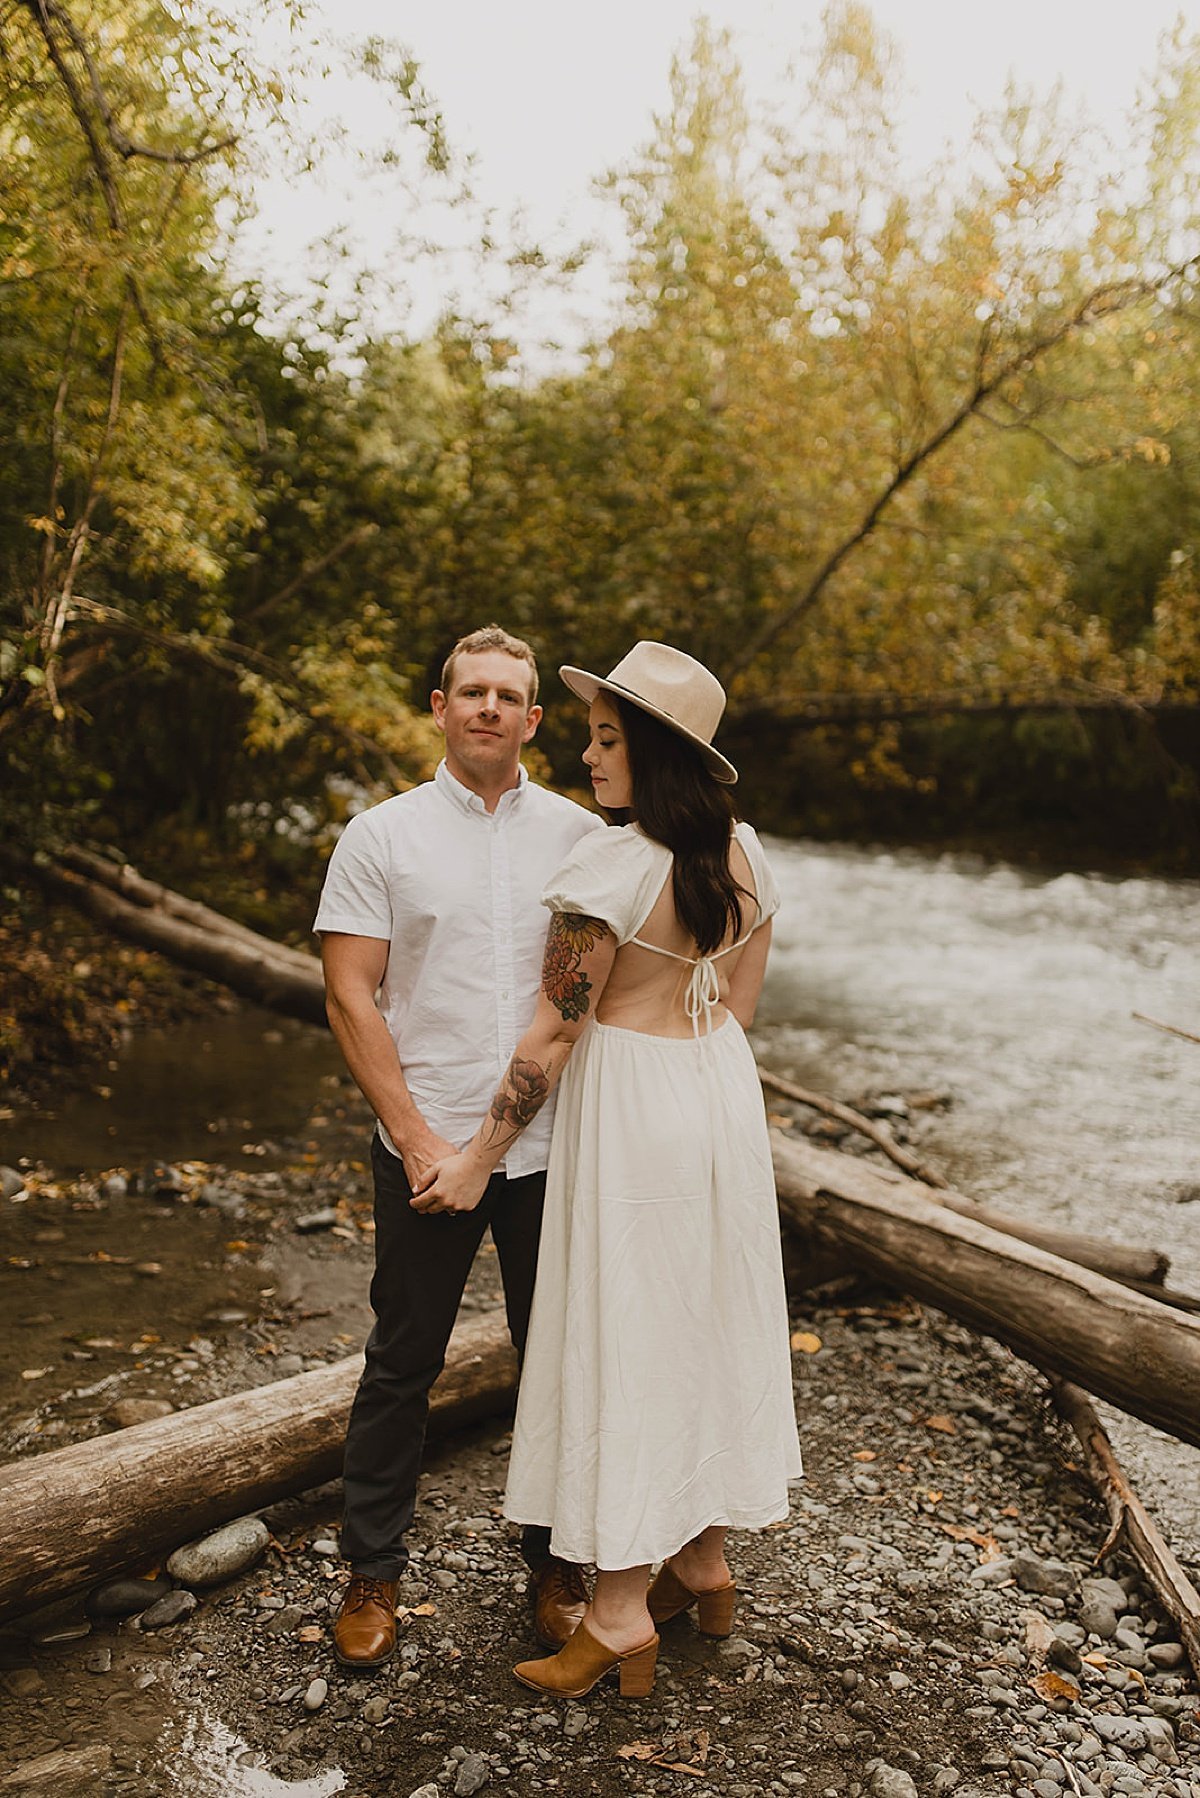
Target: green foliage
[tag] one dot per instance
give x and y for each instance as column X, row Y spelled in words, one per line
column 852, row 433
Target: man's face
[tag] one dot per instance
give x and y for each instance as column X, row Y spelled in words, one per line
column 486, row 717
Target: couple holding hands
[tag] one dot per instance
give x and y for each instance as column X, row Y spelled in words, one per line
column 585, row 1090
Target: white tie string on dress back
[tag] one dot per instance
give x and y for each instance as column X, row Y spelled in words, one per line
column 703, row 993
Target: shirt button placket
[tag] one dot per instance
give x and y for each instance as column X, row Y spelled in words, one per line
column 502, row 949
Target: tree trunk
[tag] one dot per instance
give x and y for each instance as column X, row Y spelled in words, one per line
column 1131, row 1349
column 76, row 1515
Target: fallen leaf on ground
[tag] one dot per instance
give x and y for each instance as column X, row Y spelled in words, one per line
column 35, row 1373
column 1051, row 1685
column 637, row 1751
column 865, row 1454
column 941, row 1422
column 984, row 1541
column 1096, row 1659
column 805, row 1341
column 311, row 1632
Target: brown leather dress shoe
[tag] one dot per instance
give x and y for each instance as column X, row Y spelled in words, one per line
column 364, row 1632
column 560, row 1598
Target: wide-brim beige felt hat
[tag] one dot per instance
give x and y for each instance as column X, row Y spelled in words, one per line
column 673, row 687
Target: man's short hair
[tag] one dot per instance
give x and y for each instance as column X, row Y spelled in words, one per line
column 492, row 636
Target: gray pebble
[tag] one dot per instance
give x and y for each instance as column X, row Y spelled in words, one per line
column 1126, row 1732
column 128, row 1412
column 23, row 1682
column 472, row 1775
column 890, row 1782
column 327, row 1547
column 11, row 1182
column 100, row 1660
column 312, row 1221
column 284, row 1622
column 576, row 1721
column 375, row 1710
column 316, row 1695
column 1050, row 1578
column 1098, row 1618
column 1165, row 1655
column 171, row 1609
column 944, row 1780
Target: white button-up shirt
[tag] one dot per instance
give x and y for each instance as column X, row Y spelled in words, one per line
column 456, row 891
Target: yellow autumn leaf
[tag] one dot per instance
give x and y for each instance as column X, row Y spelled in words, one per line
column 806, row 1342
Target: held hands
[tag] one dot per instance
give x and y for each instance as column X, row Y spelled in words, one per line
column 422, row 1154
column 455, row 1183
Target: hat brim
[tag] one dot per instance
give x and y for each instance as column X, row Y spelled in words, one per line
column 585, row 686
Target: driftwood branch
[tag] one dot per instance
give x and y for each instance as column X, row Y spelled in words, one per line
column 1129, row 1518
column 1145, row 1270
column 879, row 1134
column 1171, row 1029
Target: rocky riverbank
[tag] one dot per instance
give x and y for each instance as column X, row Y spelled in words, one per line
column 929, row 1620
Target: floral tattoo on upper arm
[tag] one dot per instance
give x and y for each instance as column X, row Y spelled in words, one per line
column 570, row 938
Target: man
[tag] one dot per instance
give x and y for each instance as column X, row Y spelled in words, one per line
column 432, row 900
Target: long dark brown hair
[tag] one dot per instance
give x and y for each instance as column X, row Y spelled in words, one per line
column 686, row 809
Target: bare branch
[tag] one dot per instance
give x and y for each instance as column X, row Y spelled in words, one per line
column 360, row 534
column 1100, row 303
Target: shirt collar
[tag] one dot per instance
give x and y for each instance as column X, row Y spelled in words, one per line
column 468, row 801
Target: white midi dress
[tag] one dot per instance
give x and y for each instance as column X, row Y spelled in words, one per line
column 656, row 1393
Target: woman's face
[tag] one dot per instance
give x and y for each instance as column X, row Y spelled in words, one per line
column 607, row 756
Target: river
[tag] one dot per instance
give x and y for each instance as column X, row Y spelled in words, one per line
column 1014, row 992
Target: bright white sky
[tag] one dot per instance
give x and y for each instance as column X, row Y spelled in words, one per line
column 548, row 95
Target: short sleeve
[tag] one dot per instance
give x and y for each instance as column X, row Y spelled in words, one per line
column 355, row 898
column 614, row 874
column 765, row 884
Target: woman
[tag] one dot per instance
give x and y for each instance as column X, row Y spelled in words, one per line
column 655, row 1406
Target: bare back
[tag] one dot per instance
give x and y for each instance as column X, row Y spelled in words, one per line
column 647, row 990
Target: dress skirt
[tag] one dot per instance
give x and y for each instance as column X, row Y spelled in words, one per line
column 656, row 1393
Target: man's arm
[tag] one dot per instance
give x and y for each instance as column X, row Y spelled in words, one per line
column 578, row 961
column 354, row 967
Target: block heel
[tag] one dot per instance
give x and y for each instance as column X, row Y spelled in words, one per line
column 576, row 1668
column 668, row 1597
column 637, row 1671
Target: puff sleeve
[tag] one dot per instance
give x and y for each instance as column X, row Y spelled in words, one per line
column 614, row 874
column 765, row 884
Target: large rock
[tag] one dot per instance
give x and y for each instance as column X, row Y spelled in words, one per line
column 171, row 1609
column 1049, row 1578
column 228, row 1551
column 11, row 1182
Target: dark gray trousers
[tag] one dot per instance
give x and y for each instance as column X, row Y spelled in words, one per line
column 421, row 1268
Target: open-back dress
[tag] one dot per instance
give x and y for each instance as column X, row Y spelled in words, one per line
column 656, row 1393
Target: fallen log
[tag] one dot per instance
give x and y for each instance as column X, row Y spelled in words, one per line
column 1123, row 1345
column 76, row 1515
column 121, row 878
column 1129, row 1518
column 282, row 979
